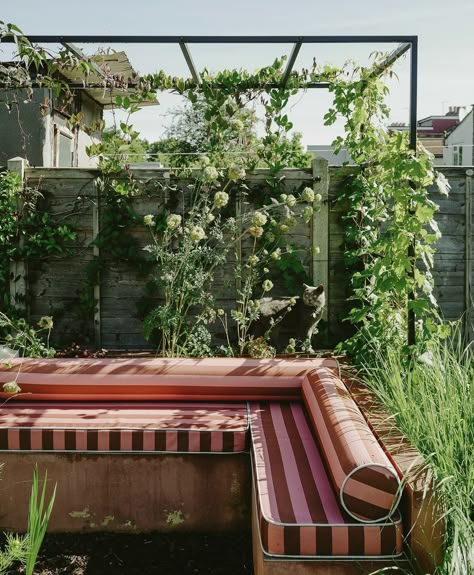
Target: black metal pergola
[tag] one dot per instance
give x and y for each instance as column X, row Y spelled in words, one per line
column 403, row 44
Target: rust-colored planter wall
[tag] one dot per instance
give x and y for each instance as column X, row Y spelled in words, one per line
column 127, row 492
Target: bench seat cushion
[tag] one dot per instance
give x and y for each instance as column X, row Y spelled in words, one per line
column 159, row 379
column 120, row 427
column 299, row 513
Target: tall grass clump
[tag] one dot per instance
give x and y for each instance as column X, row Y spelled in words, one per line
column 432, row 399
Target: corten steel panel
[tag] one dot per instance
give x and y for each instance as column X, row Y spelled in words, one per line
column 131, row 493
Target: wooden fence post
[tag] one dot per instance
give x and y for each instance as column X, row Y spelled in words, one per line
column 18, row 267
column 320, row 232
column 96, row 254
column 468, row 271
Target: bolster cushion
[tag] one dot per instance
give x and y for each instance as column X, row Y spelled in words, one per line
column 365, row 480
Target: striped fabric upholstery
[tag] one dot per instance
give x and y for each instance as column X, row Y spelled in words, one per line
column 216, row 379
column 362, row 475
column 117, row 427
column 299, row 514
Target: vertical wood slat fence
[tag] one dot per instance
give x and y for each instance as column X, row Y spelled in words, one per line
column 52, row 286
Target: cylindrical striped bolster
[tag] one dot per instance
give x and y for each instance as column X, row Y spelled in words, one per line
column 362, row 475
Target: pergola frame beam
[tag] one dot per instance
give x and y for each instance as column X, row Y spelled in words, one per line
column 291, row 63
column 190, row 62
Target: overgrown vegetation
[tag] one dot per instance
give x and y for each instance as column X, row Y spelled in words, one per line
column 23, row 549
column 210, row 147
column 432, row 401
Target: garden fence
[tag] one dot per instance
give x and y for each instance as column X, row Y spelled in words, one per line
column 53, row 286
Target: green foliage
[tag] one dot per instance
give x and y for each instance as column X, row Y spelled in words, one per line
column 15, row 551
column 117, row 147
column 292, row 271
column 389, row 226
column 24, row 549
column 27, row 340
column 27, row 230
column 431, row 398
column 38, row 518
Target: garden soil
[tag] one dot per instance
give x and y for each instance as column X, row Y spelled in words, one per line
column 149, row 554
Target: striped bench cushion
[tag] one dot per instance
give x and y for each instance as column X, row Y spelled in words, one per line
column 299, row 513
column 364, row 478
column 118, row 427
column 160, row 379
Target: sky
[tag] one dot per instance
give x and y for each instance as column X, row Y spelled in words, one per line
column 445, row 30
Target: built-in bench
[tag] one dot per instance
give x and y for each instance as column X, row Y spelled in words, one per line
column 320, row 484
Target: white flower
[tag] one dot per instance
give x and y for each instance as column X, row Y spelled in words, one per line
column 266, row 270
column 267, row 285
column 284, row 228
column 197, row 234
column 237, row 124
column 221, row 199
column 236, row 173
column 318, row 198
column 210, row 218
column 259, row 219
column 292, row 300
column 167, row 277
column 149, row 221
column 210, row 174
column 276, row 255
column 308, row 213
column 308, row 195
column 256, row 231
column 316, row 250
column 11, row 387
column 253, row 260
column 220, row 312
column 283, row 197
column 46, row 322
column 205, row 161
column 270, row 237
column 290, row 201
column 173, row 221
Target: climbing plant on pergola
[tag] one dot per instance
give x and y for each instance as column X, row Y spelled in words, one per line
column 402, row 45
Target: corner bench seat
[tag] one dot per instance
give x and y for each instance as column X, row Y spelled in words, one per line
column 298, row 511
column 323, row 487
column 182, row 427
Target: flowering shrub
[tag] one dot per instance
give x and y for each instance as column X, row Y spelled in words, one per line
column 27, row 340
column 192, row 245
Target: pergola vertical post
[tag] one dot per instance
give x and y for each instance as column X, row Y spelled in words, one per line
column 18, row 267
column 320, row 231
column 413, row 133
column 96, row 254
column 468, row 271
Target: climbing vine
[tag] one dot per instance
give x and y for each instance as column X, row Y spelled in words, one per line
column 389, row 222
column 390, row 229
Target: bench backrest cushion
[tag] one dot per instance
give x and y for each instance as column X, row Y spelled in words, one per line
column 150, row 379
column 362, row 475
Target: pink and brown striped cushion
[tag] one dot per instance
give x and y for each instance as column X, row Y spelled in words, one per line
column 299, row 514
column 117, row 427
column 160, row 379
column 362, row 475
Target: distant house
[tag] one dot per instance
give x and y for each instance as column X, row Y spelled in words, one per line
column 459, row 143
column 39, row 130
column 432, row 129
column 327, row 152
